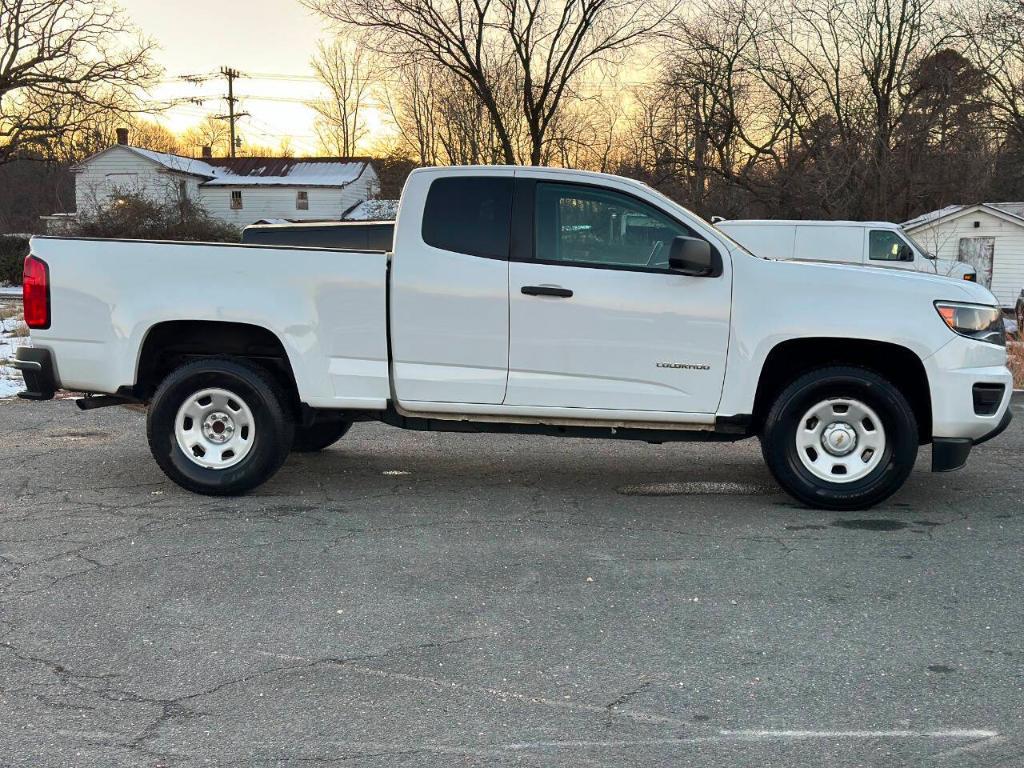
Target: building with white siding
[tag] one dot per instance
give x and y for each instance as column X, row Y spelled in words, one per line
column 238, row 190
column 990, row 236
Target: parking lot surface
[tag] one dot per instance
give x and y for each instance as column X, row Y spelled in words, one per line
column 409, row 599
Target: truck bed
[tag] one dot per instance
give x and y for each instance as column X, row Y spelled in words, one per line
column 326, row 306
column 354, row 235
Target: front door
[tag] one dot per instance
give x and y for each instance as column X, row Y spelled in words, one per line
column 979, row 252
column 598, row 320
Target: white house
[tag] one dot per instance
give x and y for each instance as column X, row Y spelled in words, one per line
column 237, row 190
column 988, row 235
column 296, row 188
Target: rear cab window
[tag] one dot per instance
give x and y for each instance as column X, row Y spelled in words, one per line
column 470, row 215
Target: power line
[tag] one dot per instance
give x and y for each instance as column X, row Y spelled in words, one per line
column 281, row 76
column 284, row 99
column 391, row 80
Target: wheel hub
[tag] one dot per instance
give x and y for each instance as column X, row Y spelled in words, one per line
column 215, row 428
column 218, row 427
column 839, row 438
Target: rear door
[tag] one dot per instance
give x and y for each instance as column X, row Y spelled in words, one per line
column 597, row 319
column 449, row 289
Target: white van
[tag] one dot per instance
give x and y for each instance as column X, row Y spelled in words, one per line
column 871, row 243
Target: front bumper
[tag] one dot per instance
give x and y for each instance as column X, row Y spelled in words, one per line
column 36, row 366
column 949, row 453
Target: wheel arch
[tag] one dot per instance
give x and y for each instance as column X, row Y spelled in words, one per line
column 168, row 344
column 789, row 359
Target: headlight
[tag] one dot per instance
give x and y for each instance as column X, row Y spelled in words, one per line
column 975, row 321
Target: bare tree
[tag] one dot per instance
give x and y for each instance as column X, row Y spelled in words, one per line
column 715, row 120
column 346, row 70
column 210, row 132
column 409, row 100
column 151, row 135
column 543, row 47
column 439, row 119
column 891, row 38
column 851, row 63
column 62, row 64
column 991, row 33
column 794, row 107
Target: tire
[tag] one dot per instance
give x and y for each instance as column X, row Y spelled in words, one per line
column 831, row 458
column 319, row 435
column 251, row 443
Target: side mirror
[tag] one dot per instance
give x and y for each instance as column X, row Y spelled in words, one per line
column 694, row 257
column 904, row 253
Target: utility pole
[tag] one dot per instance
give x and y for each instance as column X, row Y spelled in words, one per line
column 231, row 74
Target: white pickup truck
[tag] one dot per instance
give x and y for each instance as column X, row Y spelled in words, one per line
column 528, row 300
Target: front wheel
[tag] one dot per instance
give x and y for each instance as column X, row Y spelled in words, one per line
column 840, row 438
column 219, row 427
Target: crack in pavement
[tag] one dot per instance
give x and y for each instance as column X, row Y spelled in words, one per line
column 172, row 708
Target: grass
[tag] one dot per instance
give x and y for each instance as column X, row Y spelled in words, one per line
column 1015, row 350
column 10, row 322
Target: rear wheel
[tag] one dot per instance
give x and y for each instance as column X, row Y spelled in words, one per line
column 219, row 427
column 840, row 438
column 319, row 435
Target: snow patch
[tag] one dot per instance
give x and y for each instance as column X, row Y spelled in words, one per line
column 179, row 163
column 924, row 218
column 299, row 175
column 11, row 323
column 1013, row 209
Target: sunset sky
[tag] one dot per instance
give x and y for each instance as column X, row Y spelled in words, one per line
column 268, row 41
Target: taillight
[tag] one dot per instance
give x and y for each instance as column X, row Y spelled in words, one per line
column 36, row 293
column 972, row 277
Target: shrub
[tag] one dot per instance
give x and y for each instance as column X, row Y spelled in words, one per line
column 138, row 217
column 13, row 250
column 1015, row 351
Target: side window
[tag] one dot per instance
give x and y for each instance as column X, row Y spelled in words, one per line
column 581, row 225
column 469, row 214
column 884, row 245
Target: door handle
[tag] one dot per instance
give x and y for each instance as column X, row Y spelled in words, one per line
column 546, row 290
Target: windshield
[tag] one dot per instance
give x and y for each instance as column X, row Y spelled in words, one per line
column 917, row 246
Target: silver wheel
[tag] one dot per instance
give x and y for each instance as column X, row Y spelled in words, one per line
column 840, row 440
column 215, row 428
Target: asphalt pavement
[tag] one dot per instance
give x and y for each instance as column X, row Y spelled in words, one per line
column 411, row 599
